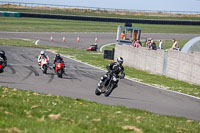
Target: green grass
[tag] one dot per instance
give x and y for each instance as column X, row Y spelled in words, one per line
column 52, row 25
column 31, row 112
column 96, row 59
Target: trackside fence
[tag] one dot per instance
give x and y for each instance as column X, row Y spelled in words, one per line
column 174, row 64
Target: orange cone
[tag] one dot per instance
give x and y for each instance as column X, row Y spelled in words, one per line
column 96, row 40
column 51, row 39
column 63, row 40
column 78, row 39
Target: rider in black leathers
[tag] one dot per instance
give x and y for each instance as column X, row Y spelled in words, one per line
column 3, row 58
column 58, row 57
column 114, row 68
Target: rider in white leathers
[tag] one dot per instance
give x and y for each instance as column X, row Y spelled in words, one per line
column 42, row 54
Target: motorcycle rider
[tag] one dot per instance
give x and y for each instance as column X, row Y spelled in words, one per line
column 58, row 57
column 42, row 55
column 3, row 58
column 114, row 68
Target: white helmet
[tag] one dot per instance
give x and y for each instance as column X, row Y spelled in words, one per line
column 42, row 52
column 120, row 60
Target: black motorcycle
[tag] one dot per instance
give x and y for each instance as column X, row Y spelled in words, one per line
column 108, row 85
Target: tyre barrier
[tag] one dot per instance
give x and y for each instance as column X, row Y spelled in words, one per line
column 103, row 19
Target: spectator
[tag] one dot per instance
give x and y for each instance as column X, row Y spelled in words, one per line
column 153, row 45
column 133, row 43
column 175, row 45
column 122, row 35
column 136, row 44
column 139, row 42
column 160, row 44
column 150, row 39
column 145, row 42
column 148, row 43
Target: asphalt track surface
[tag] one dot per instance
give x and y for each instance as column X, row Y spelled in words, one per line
column 81, row 80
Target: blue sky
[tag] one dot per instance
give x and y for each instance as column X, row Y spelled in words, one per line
column 162, row 5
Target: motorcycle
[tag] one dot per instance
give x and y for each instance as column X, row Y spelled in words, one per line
column 2, row 65
column 107, row 86
column 59, row 68
column 92, row 48
column 44, row 64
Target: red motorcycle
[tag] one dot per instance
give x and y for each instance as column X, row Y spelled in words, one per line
column 2, row 65
column 1, row 68
column 59, row 68
column 92, row 48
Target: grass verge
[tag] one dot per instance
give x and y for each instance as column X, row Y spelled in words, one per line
column 26, row 111
column 52, row 25
column 96, row 59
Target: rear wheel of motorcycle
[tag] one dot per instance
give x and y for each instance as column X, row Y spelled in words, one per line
column 109, row 91
column 60, row 73
column 44, row 69
column 97, row 92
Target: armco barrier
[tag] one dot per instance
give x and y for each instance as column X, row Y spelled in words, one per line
column 174, row 64
column 103, row 19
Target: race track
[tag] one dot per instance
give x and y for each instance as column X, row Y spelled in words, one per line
column 81, row 80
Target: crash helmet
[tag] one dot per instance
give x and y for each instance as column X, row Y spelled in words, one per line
column 42, row 52
column 120, row 60
column 57, row 55
column 2, row 53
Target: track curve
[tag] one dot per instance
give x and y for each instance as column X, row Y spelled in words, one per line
column 81, row 80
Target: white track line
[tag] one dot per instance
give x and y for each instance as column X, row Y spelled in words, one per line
column 105, row 46
column 36, row 42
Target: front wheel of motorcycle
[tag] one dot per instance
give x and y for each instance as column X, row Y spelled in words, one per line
column 60, row 73
column 44, row 69
column 109, row 90
column 97, row 92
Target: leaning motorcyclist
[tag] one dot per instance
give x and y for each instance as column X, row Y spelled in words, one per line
column 114, row 68
column 58, row 57
column 3, row 58
column 42, row 55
